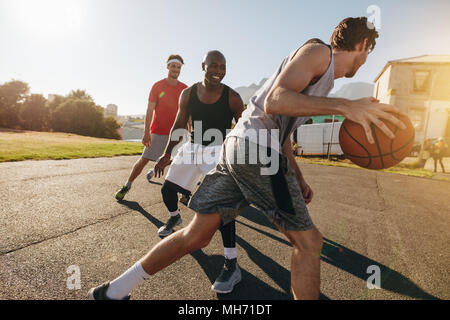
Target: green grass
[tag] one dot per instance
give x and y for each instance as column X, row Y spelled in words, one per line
column 402, row 168
column 28, row 145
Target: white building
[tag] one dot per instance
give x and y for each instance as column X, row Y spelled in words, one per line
column 111, row 111
column 420, row 86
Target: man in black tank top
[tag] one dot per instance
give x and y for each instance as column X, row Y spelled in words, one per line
column 211, row 106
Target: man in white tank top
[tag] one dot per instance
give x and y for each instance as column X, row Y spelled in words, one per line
column 298, row 90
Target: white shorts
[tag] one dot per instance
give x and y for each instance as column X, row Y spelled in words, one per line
column 191, row 163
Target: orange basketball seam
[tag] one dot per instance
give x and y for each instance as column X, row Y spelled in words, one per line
column 392, row 143
column 362, row 146
column 384, row 154
column 377, row 143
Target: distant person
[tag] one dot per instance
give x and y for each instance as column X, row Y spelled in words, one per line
column 295, row 148
column 439, row 150
column 161, row 112
column 425, row 153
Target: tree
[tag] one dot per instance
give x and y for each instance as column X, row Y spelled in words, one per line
column 74, row 113
column 79, row 116
column 80, row 94
column 110, row 128
column 52, row 105
column 34, row 113
column 12, row 94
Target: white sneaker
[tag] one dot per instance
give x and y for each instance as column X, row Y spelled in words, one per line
column 167, row 229
column 150, row 175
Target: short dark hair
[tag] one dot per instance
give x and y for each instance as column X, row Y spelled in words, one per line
column 175, row 56
column 352, row 31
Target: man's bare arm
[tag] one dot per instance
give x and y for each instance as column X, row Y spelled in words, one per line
column 304, row 187
column 310, row 62
column 146, row 140
column 181, row 121
column 236, row 104
column 287, row 151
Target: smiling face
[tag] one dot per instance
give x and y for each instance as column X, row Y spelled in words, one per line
column 214, row 66
column 174, row 70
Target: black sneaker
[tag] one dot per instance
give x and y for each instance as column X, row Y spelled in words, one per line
column 167, row 229
column 228, row 278
column 99, row 293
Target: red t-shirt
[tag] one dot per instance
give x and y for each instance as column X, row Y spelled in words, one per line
column 166, row 98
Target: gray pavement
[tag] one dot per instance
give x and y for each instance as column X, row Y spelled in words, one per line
column 57, row 214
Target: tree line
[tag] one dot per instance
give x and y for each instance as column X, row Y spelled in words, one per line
column 74, row 113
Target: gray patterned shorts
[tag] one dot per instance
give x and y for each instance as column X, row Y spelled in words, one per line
column 232, row 186
column 157, row 147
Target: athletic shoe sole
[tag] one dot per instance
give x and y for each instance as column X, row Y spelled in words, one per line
column 168, row 234
column 102, row 294
column 235, row 282
column 91, row 294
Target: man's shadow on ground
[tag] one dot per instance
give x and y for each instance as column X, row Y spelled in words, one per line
column 155, row 182
column 250, row 287
column 253, row 288
column 348, row 260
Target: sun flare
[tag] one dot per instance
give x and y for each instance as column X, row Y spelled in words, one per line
column 47, row 17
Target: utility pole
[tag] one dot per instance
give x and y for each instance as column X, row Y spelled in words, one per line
column 331, row 140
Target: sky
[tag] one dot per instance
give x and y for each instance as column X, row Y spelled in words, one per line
column 116, row 49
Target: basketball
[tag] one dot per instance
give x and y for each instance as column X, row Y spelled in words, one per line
column 385, row 152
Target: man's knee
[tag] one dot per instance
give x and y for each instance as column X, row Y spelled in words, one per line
column 141, row 163
column 173, row 188
column 165, row 189
column 197, row 240
column 200, row 231
column 310, row 241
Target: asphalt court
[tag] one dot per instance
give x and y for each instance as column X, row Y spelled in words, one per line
column 59, row 214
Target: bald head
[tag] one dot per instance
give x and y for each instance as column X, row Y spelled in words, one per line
column 212, row 55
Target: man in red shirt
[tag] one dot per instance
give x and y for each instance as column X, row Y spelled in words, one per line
column 161, row 112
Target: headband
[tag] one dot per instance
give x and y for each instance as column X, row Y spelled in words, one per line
column 174, row 60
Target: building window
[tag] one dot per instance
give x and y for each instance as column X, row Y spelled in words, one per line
column 417, row 117
column 421, row 80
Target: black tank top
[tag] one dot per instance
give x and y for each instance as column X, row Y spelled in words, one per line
column 216, row 115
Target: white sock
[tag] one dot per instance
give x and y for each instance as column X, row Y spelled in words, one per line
column 128, row 184
column 174, row 213
column 124, row 284
column 230, row 253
